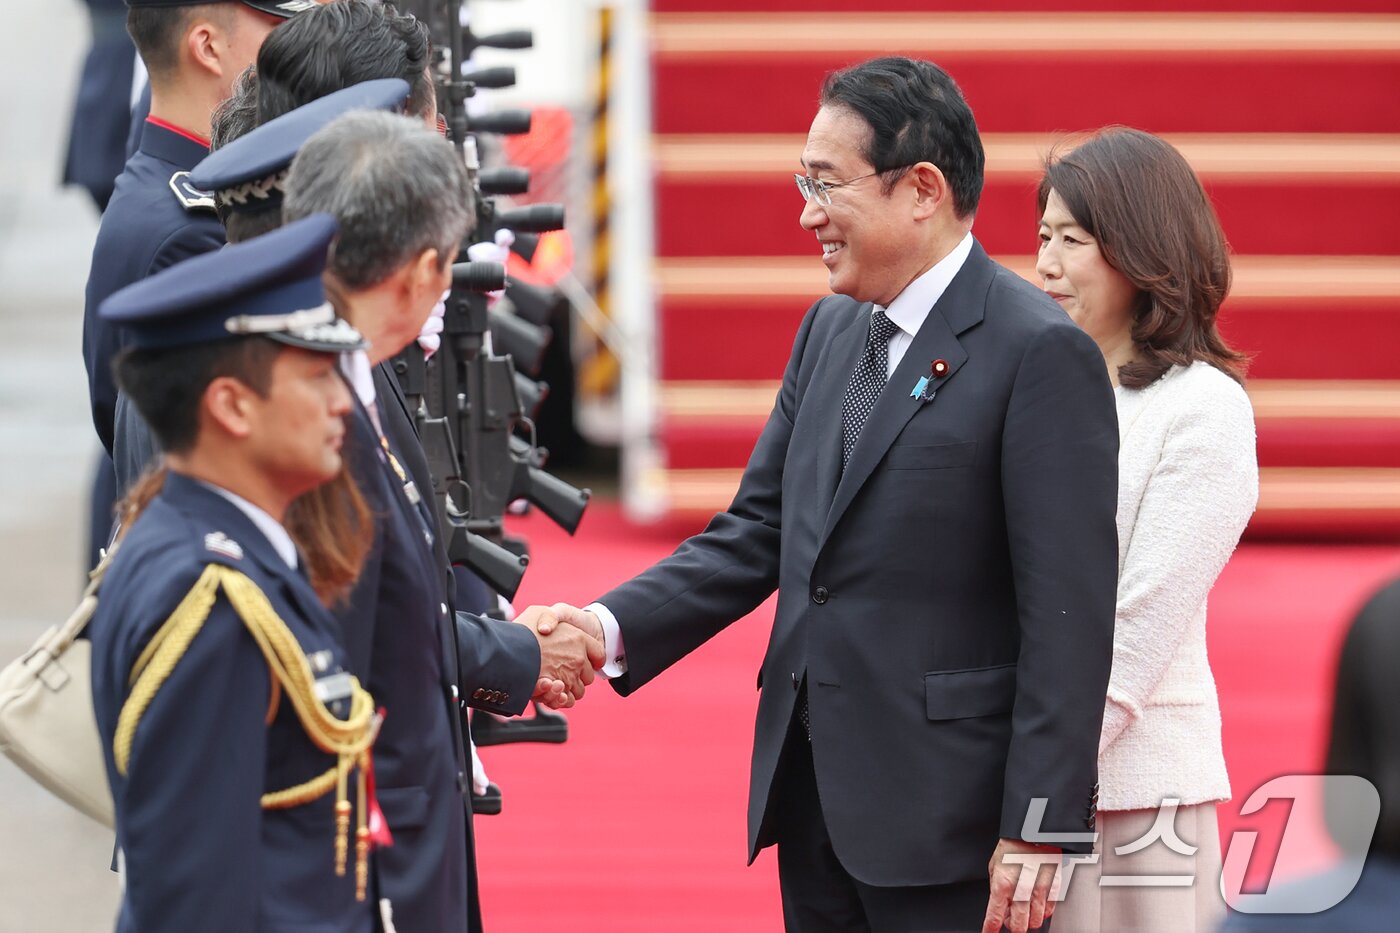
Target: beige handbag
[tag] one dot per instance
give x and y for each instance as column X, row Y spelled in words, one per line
column 47, row 725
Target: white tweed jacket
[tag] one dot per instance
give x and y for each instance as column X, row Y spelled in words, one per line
column 1188, row 481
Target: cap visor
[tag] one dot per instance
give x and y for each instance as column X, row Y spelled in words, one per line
column 302, row 342
column 283, row 8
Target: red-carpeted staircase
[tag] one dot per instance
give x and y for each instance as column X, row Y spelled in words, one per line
column 1289, row 110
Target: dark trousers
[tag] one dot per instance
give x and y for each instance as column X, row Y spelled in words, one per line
column 820, row 896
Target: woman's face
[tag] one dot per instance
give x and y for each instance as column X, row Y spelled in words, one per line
column 1074, row 272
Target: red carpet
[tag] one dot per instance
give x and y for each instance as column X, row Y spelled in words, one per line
column 637, row 823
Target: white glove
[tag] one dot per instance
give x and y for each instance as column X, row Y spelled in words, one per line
column 498, row 251
column 429, row 338
column 480, row 782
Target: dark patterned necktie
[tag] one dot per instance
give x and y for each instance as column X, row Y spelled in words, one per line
column 867, row 381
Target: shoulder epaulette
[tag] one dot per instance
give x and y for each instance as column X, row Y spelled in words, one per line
column 190, row 197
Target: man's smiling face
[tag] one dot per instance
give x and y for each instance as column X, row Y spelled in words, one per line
column 864, row 233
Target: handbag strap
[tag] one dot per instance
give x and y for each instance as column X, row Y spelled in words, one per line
column 63, row 636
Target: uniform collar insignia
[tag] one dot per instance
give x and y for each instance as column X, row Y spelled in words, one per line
column 220, row 543
column 190, row 197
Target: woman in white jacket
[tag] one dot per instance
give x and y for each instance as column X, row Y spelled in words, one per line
column 1131, row 248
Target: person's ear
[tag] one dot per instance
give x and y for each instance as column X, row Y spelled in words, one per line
column 228, row 406
column 430, row 273
column 205, row 44
column 931, row 189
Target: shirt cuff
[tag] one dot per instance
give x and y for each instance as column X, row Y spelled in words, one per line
column 616, row 654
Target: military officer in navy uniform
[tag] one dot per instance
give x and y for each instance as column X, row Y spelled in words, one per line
column 416, row 655
column 236, row 743
column 193, row 52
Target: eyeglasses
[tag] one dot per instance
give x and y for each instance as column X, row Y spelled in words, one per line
column 821, row 190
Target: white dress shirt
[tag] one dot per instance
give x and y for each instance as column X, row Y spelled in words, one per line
column 359, row 372
column 911, row 307
column 271, row 528
column 908, row 311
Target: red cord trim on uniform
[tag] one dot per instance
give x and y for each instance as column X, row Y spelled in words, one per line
column 167, row 125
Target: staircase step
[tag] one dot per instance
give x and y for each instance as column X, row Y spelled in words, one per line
column 1310, row 317
column 1314, row 442
column 1286, row 339
column 1315, row 502
column 1261, row 185
column 1182, row 72
column 1300, row 423
column 1036, row 6
column 742, row 278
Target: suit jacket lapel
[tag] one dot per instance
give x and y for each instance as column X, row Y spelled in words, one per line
column 386, row 387
column 961, row 306
column 826, row 396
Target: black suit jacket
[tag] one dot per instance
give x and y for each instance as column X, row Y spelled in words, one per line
column 948, row 598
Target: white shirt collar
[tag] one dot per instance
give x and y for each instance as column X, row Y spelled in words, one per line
column 271, row 528
column 360, row 374
column 911, row 307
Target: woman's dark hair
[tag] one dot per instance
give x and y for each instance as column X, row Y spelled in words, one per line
column 330, row 47
column 916, row 114
column 1139, row 199
column 331, row 525
column 237, row 114
column 167, row 384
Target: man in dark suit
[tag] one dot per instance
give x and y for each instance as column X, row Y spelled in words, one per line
column 933, row 498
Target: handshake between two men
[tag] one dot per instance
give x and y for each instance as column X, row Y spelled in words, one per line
column 571, row 650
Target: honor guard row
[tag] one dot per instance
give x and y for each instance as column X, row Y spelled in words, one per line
column 387, row 581
column 419, row 657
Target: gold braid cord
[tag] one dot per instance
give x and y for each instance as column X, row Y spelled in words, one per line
column 348, row 739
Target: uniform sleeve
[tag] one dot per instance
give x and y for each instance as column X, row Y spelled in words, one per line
column 1196, row 504
column 202, row 235
column 1059, row 485
column 101, row 342
column 190, row 813
column 724, row 572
